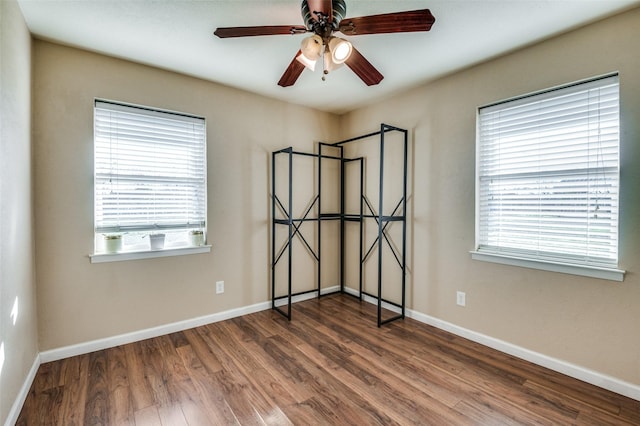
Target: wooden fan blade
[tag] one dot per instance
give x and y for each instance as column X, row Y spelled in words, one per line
column 292, row 72
column 363, row 68
column 323, row 6
column 399, row 22
column 259, row 31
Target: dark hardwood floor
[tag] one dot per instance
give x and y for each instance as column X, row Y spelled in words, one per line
column 330, row 365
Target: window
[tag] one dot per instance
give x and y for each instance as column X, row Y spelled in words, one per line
column 547, row 179
column 150, row 179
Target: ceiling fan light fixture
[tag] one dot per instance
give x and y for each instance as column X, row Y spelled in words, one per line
column 308, row 63
column 340, row 49
column 311, row 47
column 323, row 19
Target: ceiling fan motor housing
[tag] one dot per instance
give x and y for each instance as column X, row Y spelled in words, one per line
column 320, row 24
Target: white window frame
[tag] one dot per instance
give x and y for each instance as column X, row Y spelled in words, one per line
column 498, row 243
column 176, row 139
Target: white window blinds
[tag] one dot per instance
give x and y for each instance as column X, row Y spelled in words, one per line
column 548, row 174
column 150, row 169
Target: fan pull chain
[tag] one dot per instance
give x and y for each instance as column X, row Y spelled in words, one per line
column 325, row 68
column 325, row 71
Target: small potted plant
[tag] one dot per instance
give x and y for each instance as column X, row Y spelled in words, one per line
column 112, row 243
column 196, row 237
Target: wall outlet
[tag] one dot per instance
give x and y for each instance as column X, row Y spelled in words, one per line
column 461, row 298
column 219, row 287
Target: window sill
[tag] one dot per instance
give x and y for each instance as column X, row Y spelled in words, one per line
column 565, row 268
column 149, row 254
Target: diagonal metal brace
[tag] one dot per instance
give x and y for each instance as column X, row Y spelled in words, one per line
column 297, row 230
column 384, row 234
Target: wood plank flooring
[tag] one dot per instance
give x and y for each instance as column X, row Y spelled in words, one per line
column 330, row 365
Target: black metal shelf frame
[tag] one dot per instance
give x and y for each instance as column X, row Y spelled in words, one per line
column 367, row 212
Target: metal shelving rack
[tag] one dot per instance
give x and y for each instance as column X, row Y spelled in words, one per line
column 367, row 213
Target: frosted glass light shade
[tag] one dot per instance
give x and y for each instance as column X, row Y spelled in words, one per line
column 311, row 47
column 340, row 50
column 311, row 65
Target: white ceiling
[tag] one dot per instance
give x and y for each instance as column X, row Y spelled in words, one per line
column 178, row 35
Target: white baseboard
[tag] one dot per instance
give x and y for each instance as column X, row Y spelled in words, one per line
column 110, row 342
column 307, row 296
column 606, row 382
column 12, row 418
column 572, row 370
column 373, row 300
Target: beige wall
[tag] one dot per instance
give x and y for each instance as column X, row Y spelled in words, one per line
column 589, row 322
column 80, row 301
column 17, row 272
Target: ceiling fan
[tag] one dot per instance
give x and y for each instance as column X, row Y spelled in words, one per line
column 323, row 18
